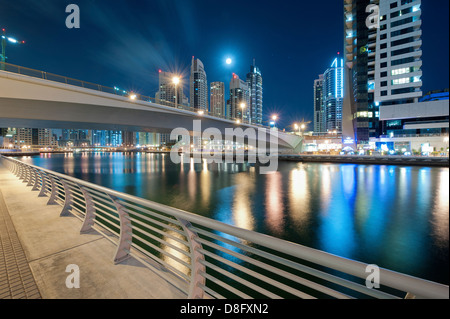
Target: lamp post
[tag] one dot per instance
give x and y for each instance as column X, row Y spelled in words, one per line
column 176, row 81
column 273, row 122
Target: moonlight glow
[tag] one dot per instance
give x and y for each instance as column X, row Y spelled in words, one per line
column 229, row 61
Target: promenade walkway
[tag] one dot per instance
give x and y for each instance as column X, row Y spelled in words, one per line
column 37, row 245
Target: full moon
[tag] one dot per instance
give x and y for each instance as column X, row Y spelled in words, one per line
column 228, row 61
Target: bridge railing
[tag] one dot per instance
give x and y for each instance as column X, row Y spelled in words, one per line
column 209, row 259
column 111, row 90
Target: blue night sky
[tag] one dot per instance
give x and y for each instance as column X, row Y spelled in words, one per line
column 125, row 43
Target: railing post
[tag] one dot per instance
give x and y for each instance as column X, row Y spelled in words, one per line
column 31, row 174
column 67, row 199
column 26, row 176
column 90, row 212
column 195, row 291
column 126, row 233
column 21, row 171
column 52, row 199
column 37, row 175
column 43, row 185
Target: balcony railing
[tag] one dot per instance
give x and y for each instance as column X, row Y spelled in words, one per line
column 209, row 259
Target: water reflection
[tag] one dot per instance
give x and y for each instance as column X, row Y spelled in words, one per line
column 396, row 217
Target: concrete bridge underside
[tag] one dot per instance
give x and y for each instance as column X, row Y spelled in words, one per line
column 33, row 102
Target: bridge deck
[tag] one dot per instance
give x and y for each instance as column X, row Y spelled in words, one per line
column 37, row 245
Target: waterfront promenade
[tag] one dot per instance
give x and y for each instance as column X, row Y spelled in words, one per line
column 37, row 245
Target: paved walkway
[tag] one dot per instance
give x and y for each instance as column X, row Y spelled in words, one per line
column 16, row 279
column 37, row 246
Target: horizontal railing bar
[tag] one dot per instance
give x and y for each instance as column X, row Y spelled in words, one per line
column 96, row 222
column 108, row 222
column 150, row 212
column 220, row 282
column 224, row 285
column 300, row 267
column 106, row 210
column 183, row 242
column 162, row 251
column 162, row 262
column 164, row 242
column 211, row 292
column 280, row 272
column 258, row 276
column 155, row 222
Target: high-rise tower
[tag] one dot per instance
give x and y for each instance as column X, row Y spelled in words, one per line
column 217, row 103
column 255, row 86
column 333, row 95
column 382, row 62
column 198, row 86
column 238, row 106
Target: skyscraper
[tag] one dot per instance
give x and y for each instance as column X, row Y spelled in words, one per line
column 319, row 109
column 217, row 103
column 239, row 96
column 398, row 53
column 255, row 86
column 198, row 86
column 333, row 95
column 382, row 62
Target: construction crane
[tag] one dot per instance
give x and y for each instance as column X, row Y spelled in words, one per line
column 5, row 40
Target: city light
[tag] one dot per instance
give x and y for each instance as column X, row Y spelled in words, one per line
column 133, row 97
column 176, row 80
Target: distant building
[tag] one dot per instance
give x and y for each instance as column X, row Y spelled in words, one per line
column 239, row 96
column 255, row 86
column 198, row 86
column 105, row 138
column 217, row 103
column 166, row 92
column 319, row 109
column 333, row 96
column 34, row 138
column 129, row 138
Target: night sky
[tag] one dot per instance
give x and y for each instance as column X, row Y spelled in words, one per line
column 125, row 43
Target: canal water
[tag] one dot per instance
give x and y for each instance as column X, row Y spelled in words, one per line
column 396, row 217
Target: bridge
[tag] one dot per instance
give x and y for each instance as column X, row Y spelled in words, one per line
column 38, row 99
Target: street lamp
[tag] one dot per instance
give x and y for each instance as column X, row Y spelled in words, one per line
column 176, row 81
column 302, row 129
column 273, row 122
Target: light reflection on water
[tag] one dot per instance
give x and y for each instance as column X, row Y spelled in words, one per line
column 393, row 216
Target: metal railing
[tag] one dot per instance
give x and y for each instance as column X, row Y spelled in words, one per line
column 115, row 91
column 209, row 259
